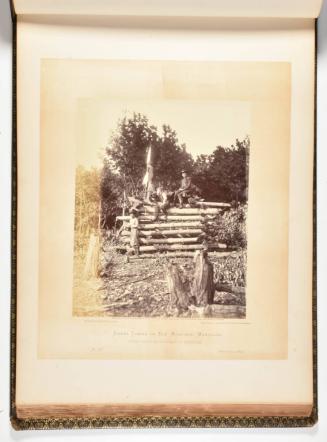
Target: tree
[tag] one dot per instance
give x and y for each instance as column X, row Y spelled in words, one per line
column 87, row 188
column 126, row 152
column 112, row 197
column 170, row 158
column 223, row 175
column 128, row 147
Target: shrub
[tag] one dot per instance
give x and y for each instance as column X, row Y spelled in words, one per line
column 229, row 228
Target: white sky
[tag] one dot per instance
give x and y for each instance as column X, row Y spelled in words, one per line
column 200, row 124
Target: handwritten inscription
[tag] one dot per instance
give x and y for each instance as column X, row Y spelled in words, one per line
column 160, row 337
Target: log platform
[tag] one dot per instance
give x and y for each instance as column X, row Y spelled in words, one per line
column 178, row 231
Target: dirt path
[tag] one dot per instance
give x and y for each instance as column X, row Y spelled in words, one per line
column 139, row 288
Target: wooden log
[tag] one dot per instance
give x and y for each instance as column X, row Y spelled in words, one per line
column 194, row 239
column 185, row 211
column 119, row 304
column 217, row 246
column 158, row 232
column 178, row 289
column 159, row 226
column 178, row 254
column 203, row 287
column 167, row 247
column 162, row 247
column 230, row 288
column 168, row 218
column 227, row 311
column 212, row 204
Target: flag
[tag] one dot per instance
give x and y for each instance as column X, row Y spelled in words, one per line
column 148, row 163
column 148, row 159
column 146, row 179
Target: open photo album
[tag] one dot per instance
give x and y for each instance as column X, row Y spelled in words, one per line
column 163, row 213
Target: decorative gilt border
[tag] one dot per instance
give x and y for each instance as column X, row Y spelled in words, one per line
column 144, row 421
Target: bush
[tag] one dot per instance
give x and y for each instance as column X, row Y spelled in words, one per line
column 229, row 228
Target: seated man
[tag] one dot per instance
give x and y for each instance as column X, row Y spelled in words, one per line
column 135, row 204
column 166, row 199
column 187, row 191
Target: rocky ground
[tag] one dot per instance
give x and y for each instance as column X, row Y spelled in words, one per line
column 139, row 288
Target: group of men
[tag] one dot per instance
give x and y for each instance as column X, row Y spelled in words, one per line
column 188, row 194
column 161, row 199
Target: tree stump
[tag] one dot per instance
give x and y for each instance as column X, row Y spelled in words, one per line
column 203, row 288
column 178, row 289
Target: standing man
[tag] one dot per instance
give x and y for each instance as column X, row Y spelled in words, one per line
column 134, row 235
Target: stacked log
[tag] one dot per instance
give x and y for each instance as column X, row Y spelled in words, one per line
column 203, row 211
column 178, row 230
column 168, row 218
column 163, row 232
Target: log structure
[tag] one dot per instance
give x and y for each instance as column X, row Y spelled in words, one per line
column 177, row 230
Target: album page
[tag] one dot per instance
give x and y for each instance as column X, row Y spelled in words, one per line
column 165, row 194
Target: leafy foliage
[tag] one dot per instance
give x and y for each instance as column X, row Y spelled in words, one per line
column 170, row 158
column 128, row 147
column 126, row 152
column 229, row 228
column 223, row 175
column 112, row 195
column 87, row 188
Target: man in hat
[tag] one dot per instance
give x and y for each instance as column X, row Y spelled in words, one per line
column 135, row 204
column 187, row 189
column 134, row 236
column 165, row 199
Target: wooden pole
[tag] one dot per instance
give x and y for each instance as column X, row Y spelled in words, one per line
column 229, row 288
column 176, row 254
column 212, row 204
column 182, row 225
column 165, row 219
column 178, row 289
column 181, row 254
column 186, row 211
column 161, row 247
column 194, row 239
column 203, row 288
column 165, row 232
